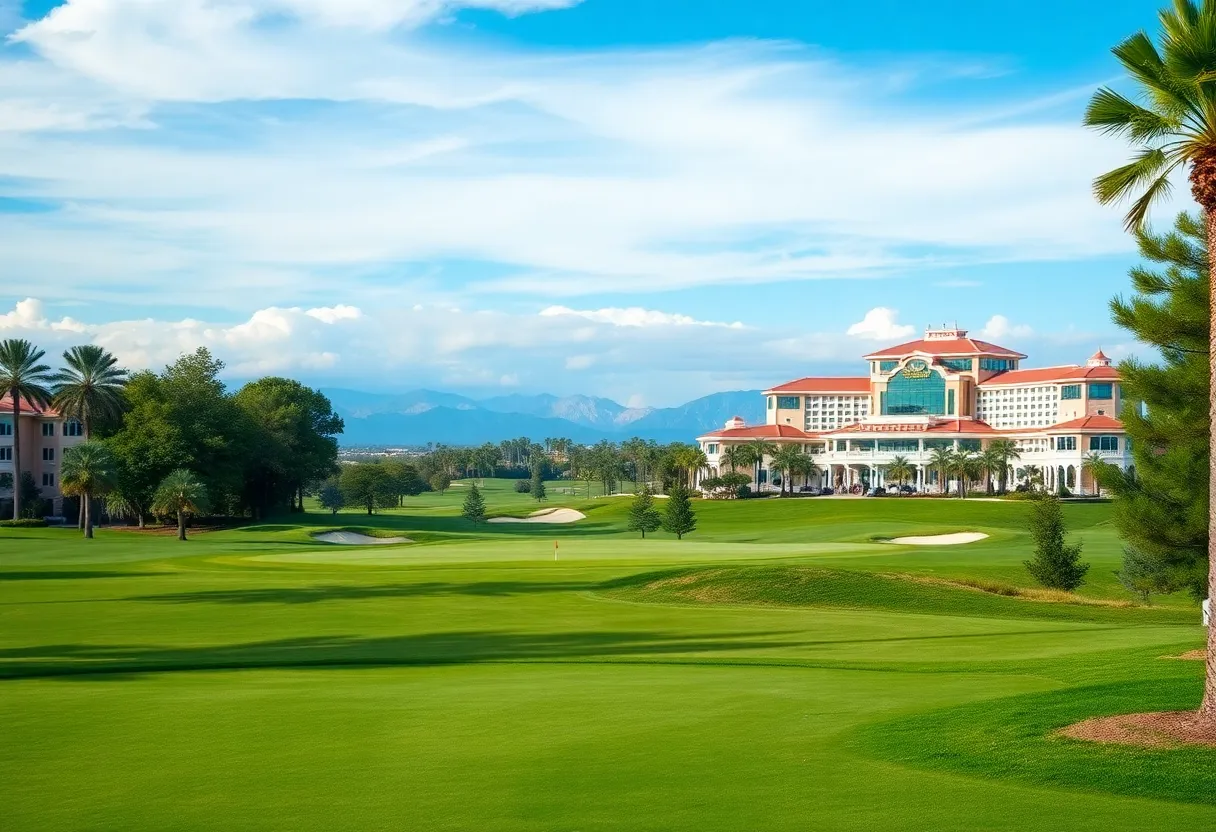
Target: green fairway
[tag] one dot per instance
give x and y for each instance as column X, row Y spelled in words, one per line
column 778, row 669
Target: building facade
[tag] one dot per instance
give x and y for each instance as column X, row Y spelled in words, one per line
column 945, row 390
column 45, row 436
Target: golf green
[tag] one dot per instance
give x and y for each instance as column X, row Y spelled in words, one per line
column 778, row 669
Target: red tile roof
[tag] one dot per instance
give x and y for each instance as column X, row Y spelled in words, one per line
column 1069, row 372
column 6, row 406
column 760, row 432
column 945, row 346
column 971, row 426
column 1086, row 423
column 822, row 384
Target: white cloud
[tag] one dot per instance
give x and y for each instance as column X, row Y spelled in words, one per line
column 999, row 326
column 333, row 314
column 881, row 324
column 579, row 362
column 633, row 316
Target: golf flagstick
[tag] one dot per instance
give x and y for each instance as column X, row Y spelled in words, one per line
column 555, row 550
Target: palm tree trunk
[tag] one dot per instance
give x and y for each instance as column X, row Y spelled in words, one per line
column 1208, row 709
column 87, row 505
column 181, row 525
column 16, row 457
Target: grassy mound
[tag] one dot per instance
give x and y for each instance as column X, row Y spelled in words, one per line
column 805, row 586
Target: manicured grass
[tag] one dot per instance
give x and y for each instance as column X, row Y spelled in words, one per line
column 776, row 670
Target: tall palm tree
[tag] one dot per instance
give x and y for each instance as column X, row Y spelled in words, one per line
column 787, row 459
column 1094, row 465
column 88, row 471
column 89, row 387
column 22, row 378
column 1034, row 475
column 180, row 494
column 760, row 449
column 900, row 470
column 1172, row 128
column 1005, row 450
column 734, row 456
column 967, row 466
column 942, row 461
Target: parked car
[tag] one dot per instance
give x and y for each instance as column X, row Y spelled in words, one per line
column 877, row 492
column 823, row 492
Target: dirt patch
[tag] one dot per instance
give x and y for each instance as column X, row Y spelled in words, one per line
column 1166, row 729
column 1190, row 656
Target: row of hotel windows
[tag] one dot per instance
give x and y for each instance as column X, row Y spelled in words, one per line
column 959, row 365
column 6, row 454
column 70, row 428
column 904, row 446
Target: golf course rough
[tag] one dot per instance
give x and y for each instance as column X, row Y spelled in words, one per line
column 775, row 670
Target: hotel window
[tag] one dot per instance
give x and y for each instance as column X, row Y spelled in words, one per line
column 887, row 366
column 996, row 365
column 771, row 401
column 48, row 480
column 915, row 394
column 73, row 428
column 1104, row 443
column 787, row 403
column 950, row 402
column 1104, row 392
column 842, row 444
column 959, row 365
column 1066, row 443
column 1070, row 391
column 969, row 444
column 6, row 453
column 48, row 454
column 898, row 446
column 711, row 448
column 48, row 428
column 6, row 428
column 935, row 444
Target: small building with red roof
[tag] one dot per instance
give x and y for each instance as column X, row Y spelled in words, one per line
column 43, row 435
column 944, row 391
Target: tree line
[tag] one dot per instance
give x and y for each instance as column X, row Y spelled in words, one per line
column 171, row 443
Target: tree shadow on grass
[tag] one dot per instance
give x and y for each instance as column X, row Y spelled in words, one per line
column 72, row 576
column 355, row 592
column 425, row 649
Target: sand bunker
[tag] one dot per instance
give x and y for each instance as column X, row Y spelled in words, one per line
column 1159, row 730
column 940, row 539
column 546, row 515
column 356, row 539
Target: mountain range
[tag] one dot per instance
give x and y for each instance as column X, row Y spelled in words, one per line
column 417, row 417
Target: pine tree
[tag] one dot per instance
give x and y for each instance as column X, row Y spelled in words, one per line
column 474, row 509
column 1056, row 564
column 1161, row 505
column 538, row 484
column 679, row 519
column 643, row 516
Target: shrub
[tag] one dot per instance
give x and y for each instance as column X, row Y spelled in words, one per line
column 26, row 523
column 1056, row 564
column 523, row 486
column 743, row 492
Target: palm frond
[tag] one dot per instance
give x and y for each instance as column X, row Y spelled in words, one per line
column 1137, row 215
column 1116, row 115
column 1139, row 56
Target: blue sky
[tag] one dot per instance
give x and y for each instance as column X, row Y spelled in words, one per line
column 644, row 200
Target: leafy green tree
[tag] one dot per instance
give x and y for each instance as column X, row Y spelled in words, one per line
column 88, row 471
column 474, row 508
column 1056, row 564
column 678, row 516
column 1144, row 574
column 90, row 386
column 331, row 497
column 24, row 380
column 1172, row 128
column 440, row 481
column 181, row 494
column 31, row 497
column 404, row 480
column 369, row 485
column 759, row 449
column 643, row 516
column 537, row 487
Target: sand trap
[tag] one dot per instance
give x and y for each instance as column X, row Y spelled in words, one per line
column 940, row 539
column 356, row 539
column 545, row 515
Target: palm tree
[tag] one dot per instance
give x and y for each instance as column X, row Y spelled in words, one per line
column 89, row 387
column 734, row 456
column 88, row 471
column 180, row 494
column 761, row 448
column 942, row 461
column 22, row 377
column 1094, row 465
column 1173, row 128
column 1004, row 450
column 900, row 470
column 806, row 467
column 967, row 466
column 1033, row 475
column 787, row 459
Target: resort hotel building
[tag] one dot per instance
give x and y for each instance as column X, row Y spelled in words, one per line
column 945, row 390
column 44, row 436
